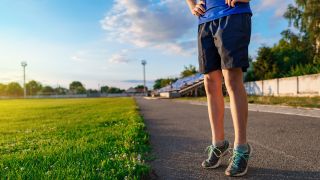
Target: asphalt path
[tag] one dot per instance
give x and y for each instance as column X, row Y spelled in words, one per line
column 284, row 146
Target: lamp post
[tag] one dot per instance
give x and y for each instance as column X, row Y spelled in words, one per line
column 24, row 64
column 144, row 62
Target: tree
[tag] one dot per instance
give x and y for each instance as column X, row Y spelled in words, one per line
column 115, row 90
column 305, row 16
column 3, row 88
column 60, row 91
column 92, row 91
column 291, row 56
column 265, row 65
column 104, row 89
column 47, row 90
column 14, row 89
column 33, row 87
column 160, row 83
column 76, row 87
column 188, row 71
column 140, row 87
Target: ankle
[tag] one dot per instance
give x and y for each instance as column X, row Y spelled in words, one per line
column 241, row 147
column 218, row 143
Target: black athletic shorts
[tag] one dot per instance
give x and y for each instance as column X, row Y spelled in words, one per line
column 223, row 43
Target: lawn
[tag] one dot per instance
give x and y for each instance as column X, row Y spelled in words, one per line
column 100, row 138
column 310, row 102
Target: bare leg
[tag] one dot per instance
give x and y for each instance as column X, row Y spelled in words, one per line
column 238, row 103
column 213, row 86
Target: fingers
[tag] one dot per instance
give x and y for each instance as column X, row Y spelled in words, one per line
column 233, row 3
column 196, row 13
column 228, row 2
column 199, row 9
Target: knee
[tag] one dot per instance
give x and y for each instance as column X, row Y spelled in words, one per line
column 212, row 85
column 233, row 83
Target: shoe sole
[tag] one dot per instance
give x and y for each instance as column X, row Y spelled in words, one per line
column 219, row 161
column 245, row 171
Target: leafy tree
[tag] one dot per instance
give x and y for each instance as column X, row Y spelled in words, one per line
column 76, row 87
column 47, row 90
column 305, row 16
column 160, row 83
column 140, row 87
column 33, row 87
column 188, row 71
column 104, row 89
column 92, row 91
column 294, row 54
column 115, row 90
column 14, row 89
column 60, row 91
column 265, row 65
column 3, row 88
column 157, row 84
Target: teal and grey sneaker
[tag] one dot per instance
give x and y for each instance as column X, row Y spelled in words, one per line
column 214, row 155
column 238, row 165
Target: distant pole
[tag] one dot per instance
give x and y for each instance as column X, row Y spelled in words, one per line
column 24, row 64
column 144, row 62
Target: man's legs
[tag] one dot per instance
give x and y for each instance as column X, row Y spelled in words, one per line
column 238, row 103
column 213, row 86
column 239, row 111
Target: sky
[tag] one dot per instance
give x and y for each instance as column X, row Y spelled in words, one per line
column 102, row 42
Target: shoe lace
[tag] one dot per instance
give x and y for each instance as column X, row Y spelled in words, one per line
column 211, row 149
column 237, row 156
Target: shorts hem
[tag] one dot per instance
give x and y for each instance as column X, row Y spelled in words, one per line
column 243, row 68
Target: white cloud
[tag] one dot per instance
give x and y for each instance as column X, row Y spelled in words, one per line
column 119, row 58
column 76, row 58
column 279, row 7
column 160, row 25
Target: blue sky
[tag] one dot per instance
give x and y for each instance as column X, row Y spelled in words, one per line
column 102, row 42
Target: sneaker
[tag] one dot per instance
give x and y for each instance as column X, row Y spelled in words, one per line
column 238, row 165
column 214, row 155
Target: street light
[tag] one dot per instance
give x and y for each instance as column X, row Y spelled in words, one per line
column 24, row 64
column 144, row 62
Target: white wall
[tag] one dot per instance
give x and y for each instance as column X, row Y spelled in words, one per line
column 270, row 87
column 308, row 85
column 288, row 86
column 254, row 87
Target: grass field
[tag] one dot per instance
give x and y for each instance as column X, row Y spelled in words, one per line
column 310, row 102
column 72, row 139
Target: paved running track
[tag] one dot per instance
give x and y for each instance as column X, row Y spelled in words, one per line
column 284, row 146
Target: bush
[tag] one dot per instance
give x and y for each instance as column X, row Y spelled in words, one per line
column 304, row 69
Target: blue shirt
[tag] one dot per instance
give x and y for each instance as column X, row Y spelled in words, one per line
column 216, row 9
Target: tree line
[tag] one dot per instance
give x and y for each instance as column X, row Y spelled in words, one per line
column 34, row 88
column 296, row 53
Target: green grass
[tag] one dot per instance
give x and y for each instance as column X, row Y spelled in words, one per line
column 72, row 139
column 311, row 102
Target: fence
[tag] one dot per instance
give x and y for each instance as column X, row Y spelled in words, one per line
column 308, row 85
